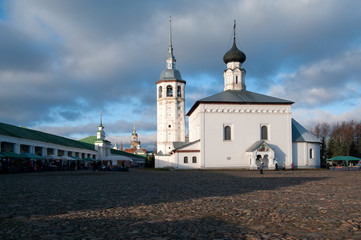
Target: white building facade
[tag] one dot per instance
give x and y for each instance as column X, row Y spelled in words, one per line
column 237, row 128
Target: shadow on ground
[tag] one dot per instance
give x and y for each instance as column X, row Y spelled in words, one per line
column 57, row 193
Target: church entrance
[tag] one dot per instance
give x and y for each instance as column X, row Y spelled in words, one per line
column 261, row 152
column 261, row 159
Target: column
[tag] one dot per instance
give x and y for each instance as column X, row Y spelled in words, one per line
column 16, row 148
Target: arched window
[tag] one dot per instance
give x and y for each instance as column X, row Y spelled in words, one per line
column 185, row 159
column 227, row 133
column 264, row 133
column 160, row 89
column 179, row 91
column 169, row 91
column 194, row 159
column 311, row 153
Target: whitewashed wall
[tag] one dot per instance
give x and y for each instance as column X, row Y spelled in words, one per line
column 246, row 122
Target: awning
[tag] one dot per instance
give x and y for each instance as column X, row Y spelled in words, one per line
column 11, row 155
column 347, row 159
column 76, row 158
column 31, row 156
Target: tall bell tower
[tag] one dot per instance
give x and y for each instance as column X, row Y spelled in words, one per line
column 170, row 104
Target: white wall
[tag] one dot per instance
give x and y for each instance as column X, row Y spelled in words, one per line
column 170, row 116
column 301, row 155
column 246, row 122
column 45, row 145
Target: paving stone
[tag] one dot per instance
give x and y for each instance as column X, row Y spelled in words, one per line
column 150, row 204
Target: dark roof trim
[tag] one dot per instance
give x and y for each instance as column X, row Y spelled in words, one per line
column 173, row 80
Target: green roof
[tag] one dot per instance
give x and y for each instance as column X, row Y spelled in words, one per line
column 89, row 140
column 344, row 158
column 130, row 155
column 92, row 140
column 21, row 132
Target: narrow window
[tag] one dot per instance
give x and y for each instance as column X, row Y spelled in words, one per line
column 236, row 79
column 264, row 133
column 194, row 159
column 169, row 91
column 160, row 92
column 185, row 159
column 179, row 91
column 227, row 133
column 311, row 153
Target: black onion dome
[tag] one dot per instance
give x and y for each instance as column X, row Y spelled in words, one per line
column 234, row 55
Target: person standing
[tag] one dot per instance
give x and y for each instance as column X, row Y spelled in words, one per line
column 261, row 168
column 284, row 166
column 276, row 166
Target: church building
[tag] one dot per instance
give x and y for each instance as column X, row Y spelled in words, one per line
column 235, row 128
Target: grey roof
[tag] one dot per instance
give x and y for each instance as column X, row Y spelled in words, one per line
column 300, row 134
column 179, row 145
column 239, row 97
column 170, row 74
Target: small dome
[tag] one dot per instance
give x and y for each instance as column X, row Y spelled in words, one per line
column 170, row 74
column 234, row 55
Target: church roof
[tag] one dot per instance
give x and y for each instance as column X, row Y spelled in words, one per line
column 234, row 55
column 179, row 145
column 170, row 74
column 92, row 140
column 300, row 134
column 239, row 97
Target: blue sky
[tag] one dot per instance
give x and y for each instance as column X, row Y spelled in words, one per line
column 64, row 61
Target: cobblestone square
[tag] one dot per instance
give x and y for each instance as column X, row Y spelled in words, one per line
column 154, row 204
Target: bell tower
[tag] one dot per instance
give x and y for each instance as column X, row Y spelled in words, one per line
column 170, row 104
column 234, row 75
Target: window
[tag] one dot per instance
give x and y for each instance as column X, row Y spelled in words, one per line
column 179, row 91
column 311, row 153
column 236, row 79
column 264, row 133
column 160, row 92
column 169, row 91
column 194, row 159
column 185, row 158
column 227, row 133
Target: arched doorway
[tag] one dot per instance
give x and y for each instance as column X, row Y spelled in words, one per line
column 261, row 159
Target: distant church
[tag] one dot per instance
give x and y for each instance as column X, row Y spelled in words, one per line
column 135, row 147
column 235, row 128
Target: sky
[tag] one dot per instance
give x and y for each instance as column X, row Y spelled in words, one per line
column 62, row 62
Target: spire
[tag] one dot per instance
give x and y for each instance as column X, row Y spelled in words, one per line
column 234, row 32
column 134, row 129
column 100, row 132
column 101, row 120
column 234, row 54
column 170, row 58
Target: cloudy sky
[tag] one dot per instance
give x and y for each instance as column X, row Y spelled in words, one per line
column 62, row 62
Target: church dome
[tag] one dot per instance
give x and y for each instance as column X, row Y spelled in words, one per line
column 170, row 74
column 234, row 55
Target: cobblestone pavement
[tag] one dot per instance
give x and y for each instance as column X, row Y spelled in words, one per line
column 153, row 204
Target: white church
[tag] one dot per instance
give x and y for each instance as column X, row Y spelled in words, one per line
column 233, row 129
